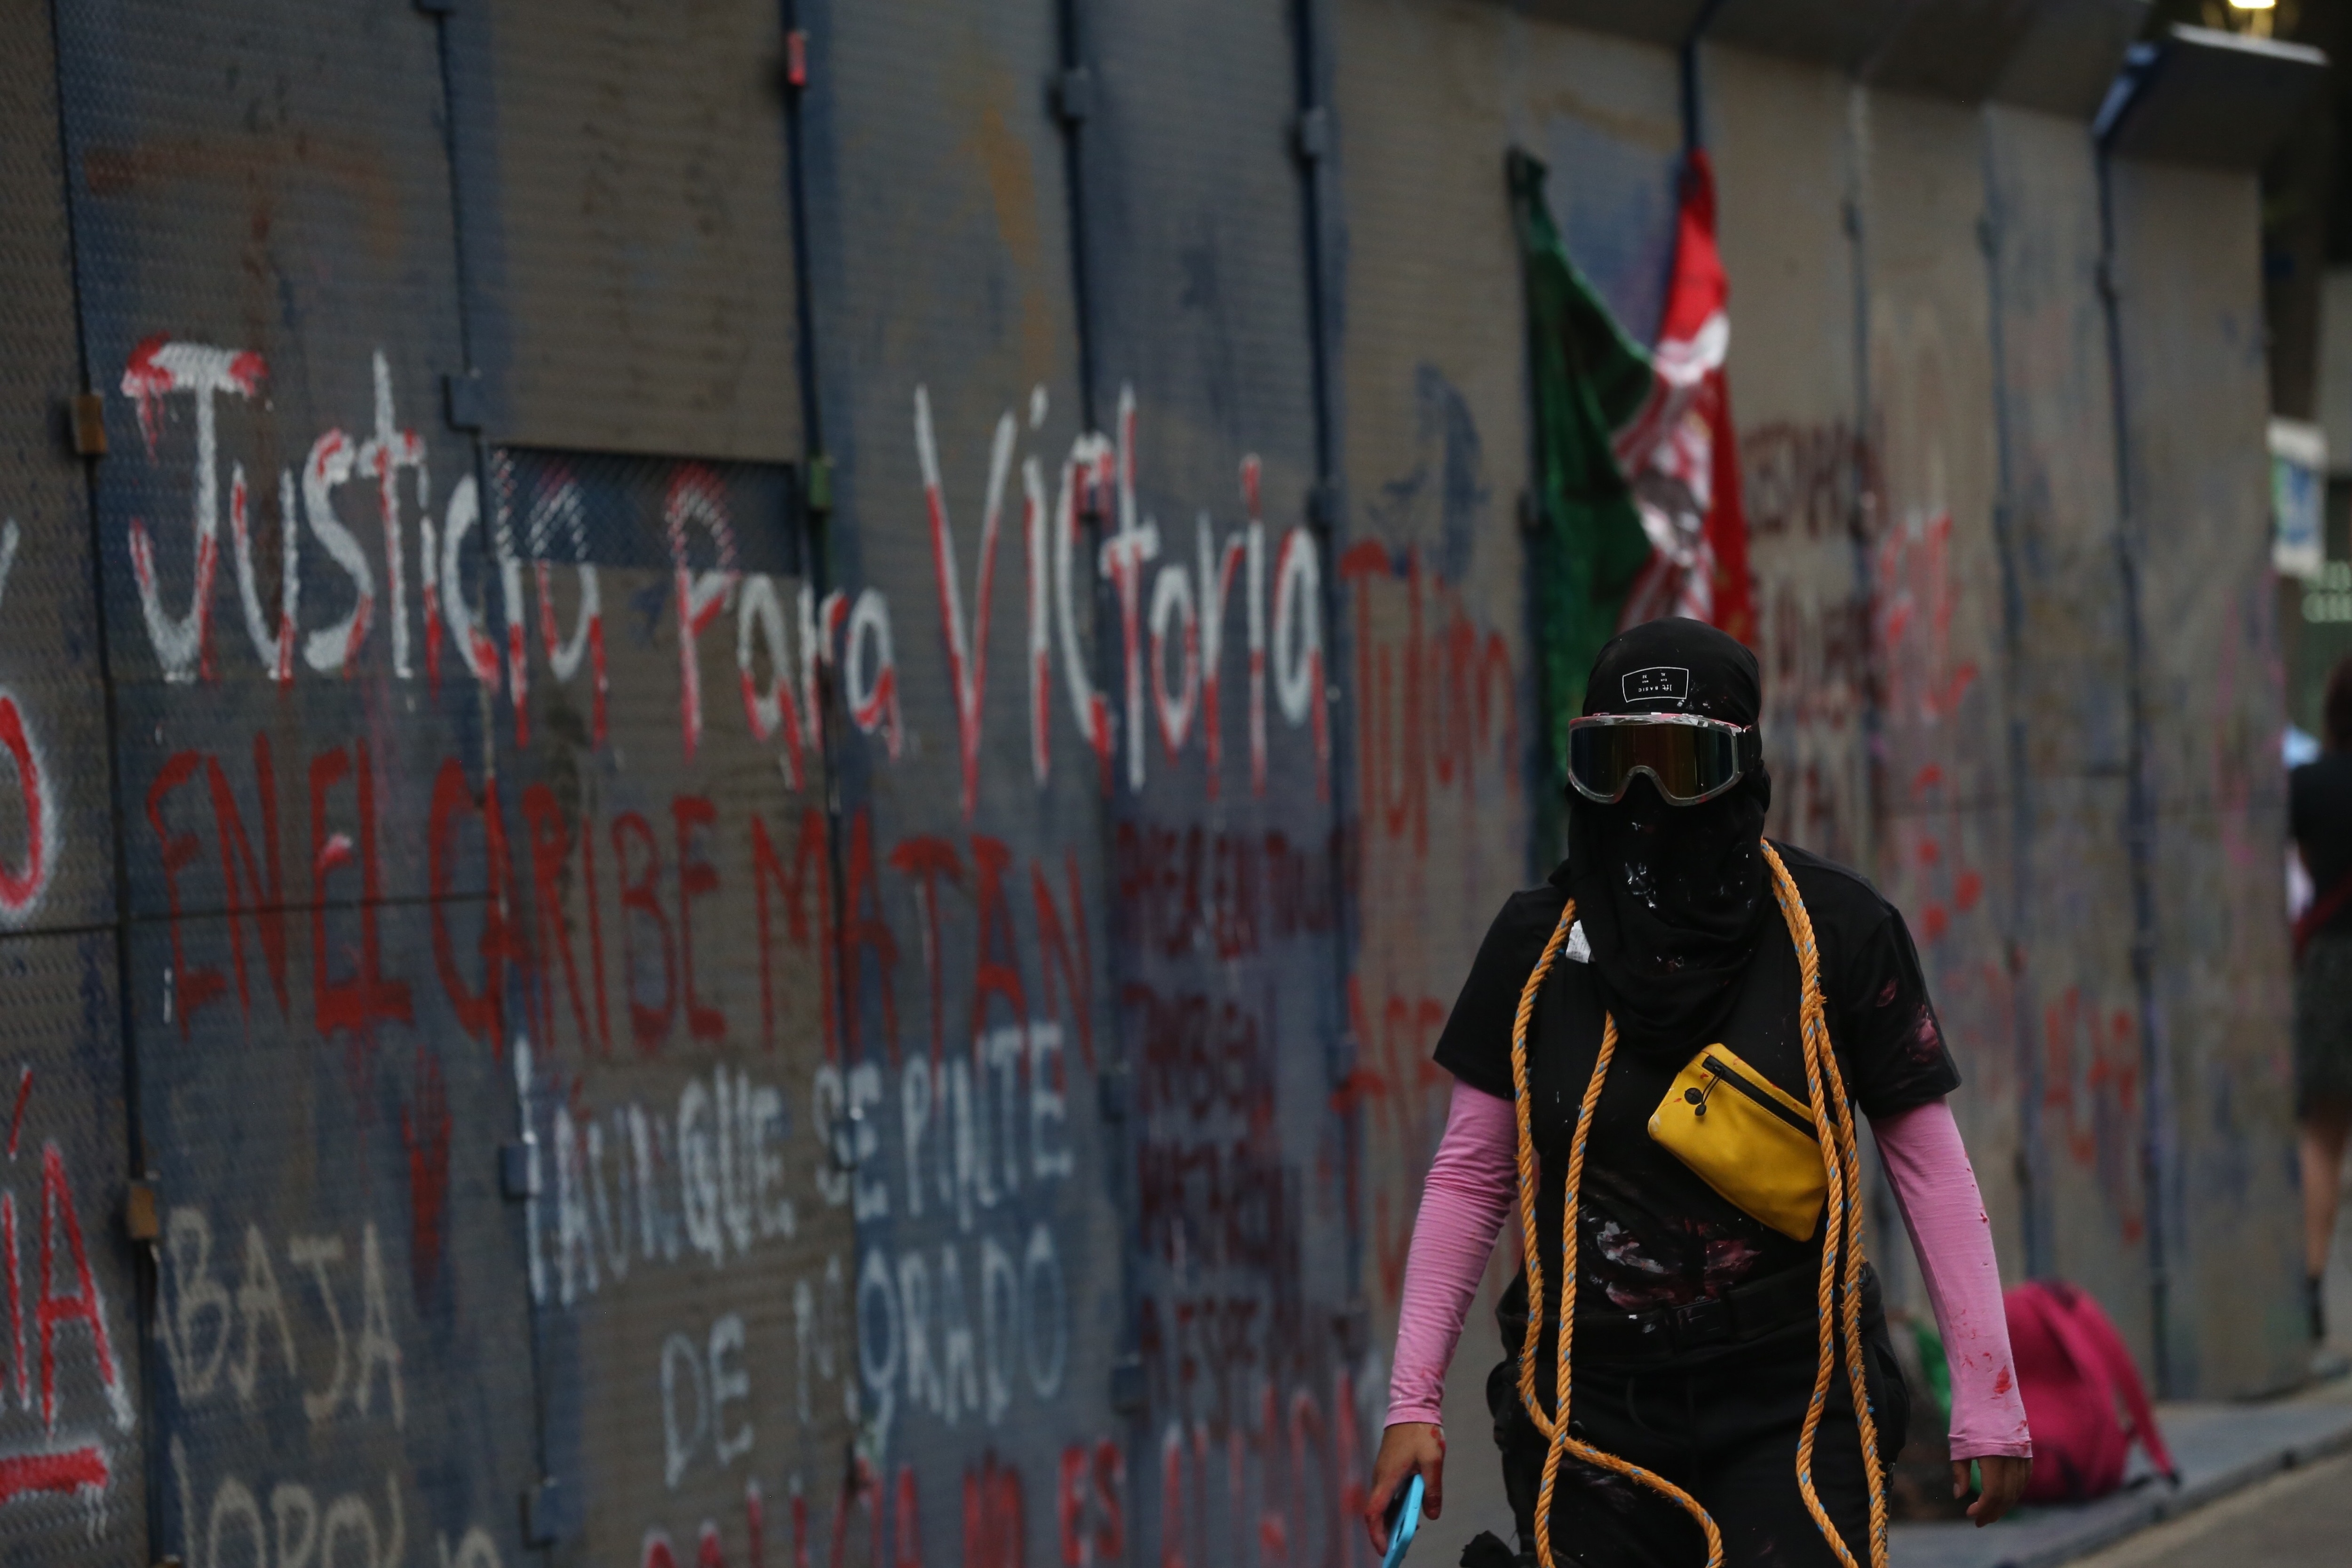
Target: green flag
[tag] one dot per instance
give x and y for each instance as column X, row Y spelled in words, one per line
column 1590, row 380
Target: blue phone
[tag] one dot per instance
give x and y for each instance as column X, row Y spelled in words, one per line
column 1405, row 1521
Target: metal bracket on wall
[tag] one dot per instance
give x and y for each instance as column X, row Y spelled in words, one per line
column 1074, row 95
column 816, row 488
column 1311, row 136
column 461, row 399
column 87, row 416
column 1127, row 1385
column 140, row 1222
column 518, row 1169
column 542, row 1525
column 1323, row 507
column 1110, row 1092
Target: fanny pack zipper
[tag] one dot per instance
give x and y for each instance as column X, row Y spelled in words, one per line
column 1724, row 1074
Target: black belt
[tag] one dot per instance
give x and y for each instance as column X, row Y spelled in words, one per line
column 1741, row 1315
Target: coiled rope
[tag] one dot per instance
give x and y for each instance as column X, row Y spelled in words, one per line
column 1841, row 1248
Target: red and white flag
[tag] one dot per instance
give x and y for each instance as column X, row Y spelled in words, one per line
column 1678, row 452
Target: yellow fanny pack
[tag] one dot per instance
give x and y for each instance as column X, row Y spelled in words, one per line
column 1748, row 1139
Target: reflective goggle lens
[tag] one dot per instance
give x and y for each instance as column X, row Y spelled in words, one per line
column 1689, row 761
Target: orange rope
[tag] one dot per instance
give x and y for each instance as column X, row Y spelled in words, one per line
column 1556, row 1428
column 1841, row 1243
column 1843, row 1233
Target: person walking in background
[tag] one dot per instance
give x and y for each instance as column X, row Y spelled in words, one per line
column 2319, row 815
column 1656, row 1054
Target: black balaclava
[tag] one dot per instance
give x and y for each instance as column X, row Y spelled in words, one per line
column 1673, row 897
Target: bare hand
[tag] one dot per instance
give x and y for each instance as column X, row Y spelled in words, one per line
column 2004, row 1483
column 1406, row 1447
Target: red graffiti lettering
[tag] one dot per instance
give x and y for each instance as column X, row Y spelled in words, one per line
column 551, row 854
column 192, row 987
column 905, row 1523
column 75, row 1469
column 265, row 883
column 696, row 497
column 1054, row 956
column 696, row 878
column 927, row 858
column 999, row 959
column 55, row 1312
column 424, row 1127
column 20, row 885
column 648, row 1026
column 808, row 871
column 480, row 1012
column 994, row 1533
column 358, row 1002
column 865, row 932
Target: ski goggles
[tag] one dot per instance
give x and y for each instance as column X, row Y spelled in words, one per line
column 1688, row 758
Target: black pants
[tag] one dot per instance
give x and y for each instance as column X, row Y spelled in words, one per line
column 1725, row 1429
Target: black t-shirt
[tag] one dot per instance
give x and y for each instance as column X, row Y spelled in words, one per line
column 1651, row 1233
column 2319, row 814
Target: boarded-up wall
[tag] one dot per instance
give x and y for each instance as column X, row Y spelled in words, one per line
column 76, row 1421
column 1941, row 780
column 1433, row 578
column 267, row 295
column 978, row 1015
column 740, row 909
column 2083, row 1210
column 1227, row 936
column 2191, row 356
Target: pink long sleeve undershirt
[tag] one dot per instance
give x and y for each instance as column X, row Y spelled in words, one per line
column 1473, row 1181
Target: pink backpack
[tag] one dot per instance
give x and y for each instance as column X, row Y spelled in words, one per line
column 2072, row 1369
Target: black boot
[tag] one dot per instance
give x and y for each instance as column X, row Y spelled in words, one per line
column 1488, row 1550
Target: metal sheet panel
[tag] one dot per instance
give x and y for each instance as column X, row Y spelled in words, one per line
column 1777, row 131
column 342, row 1350
column 1432, row 583
column 56, row 859
column 2067, row 681
column 628, row 233
column 268, row 288
column 1227, row 930
column 73, row 1424
column 669, row 877
column 75, row 1428
column 992, row 1194
column 1936, row 600
column 2189, row 284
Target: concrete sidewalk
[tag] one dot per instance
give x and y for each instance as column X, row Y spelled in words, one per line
column 2220, row 1449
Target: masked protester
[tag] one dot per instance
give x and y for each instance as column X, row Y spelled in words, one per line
column 1672, row 1037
